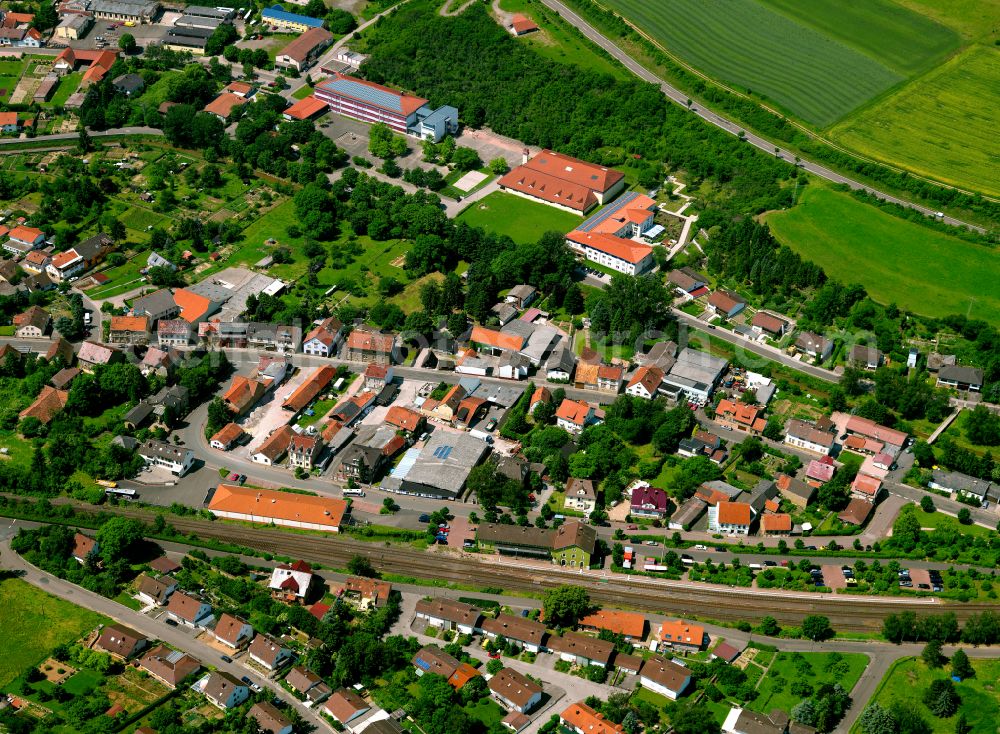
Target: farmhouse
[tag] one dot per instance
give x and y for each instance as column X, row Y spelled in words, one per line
column 574, row 416
column 281, row 508
column 369, row 346
column 564, row 182
column 227, row 437
column 323, row 340
column 403, row 113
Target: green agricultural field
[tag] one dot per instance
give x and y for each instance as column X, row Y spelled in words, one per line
column 809, row 70
column 35, row 622
column 942, row 125
column 816, row 668
column 518, row 218
column 977, row 20
column 559, row 41
column 916, row 267
column 908, row 678
column 905, row 41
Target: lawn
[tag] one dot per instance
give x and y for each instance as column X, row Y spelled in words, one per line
column 138, row 219
column 942, row 125
column 518, row 218
column 67, row 85
column 816, row 668
column 935, row 520
column 34, row 623
column 83, row 682
column 320, row 408
column 10, row 73
column 908, row 678
column 897, row 261
column 488, row 712
column 806, row 69
column 559, row 41
column 974, row 19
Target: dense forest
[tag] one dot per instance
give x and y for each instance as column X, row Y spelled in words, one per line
column 470, row 62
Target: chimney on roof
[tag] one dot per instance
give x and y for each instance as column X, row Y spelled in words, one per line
column 524, row 156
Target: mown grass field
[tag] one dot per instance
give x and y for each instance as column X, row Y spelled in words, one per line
column 800, row 63
column 909, row 678
column 905, row 41
column 916, row 267
column 942, row 125
column 775, row 687
column 33, row 623
column 518, row 218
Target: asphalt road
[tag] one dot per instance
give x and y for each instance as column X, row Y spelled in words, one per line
column 745, row 346
column 153, row 629
column 729, row 126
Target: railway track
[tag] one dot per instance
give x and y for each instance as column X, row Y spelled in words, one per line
column 846, row 612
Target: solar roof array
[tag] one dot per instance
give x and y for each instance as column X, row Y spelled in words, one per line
column 377, row 97
column 604, row 212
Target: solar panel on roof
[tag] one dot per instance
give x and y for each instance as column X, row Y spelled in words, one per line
column 174, row 656
column 377, row 97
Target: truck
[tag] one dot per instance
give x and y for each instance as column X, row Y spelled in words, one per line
column 481, row 435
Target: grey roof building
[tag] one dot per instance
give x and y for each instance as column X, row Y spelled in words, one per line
column 962, row 483
column 442, row 465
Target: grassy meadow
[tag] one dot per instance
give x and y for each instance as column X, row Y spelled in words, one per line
column 916, row 267
column 942, row 125
column 908, row 678
column 35, row 622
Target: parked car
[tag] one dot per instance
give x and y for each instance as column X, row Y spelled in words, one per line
column 492, row 424
column 171, row 622
column 651, row 542
column 424, row 518
column 467, row 543
column 701, row 547
column 227, row 659
column 236, row 477
column 633, row 527
column 769, row 563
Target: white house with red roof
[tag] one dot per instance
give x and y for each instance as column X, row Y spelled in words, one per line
column 66, row 265
column 323, row 340
column 291, row 581
column 647, row 501
column 563, row 181
column 645, row 382
column 23, row 240
column 574, row 416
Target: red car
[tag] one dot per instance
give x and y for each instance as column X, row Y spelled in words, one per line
column 633, row 527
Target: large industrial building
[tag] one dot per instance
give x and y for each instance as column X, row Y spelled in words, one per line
column 438, row 469
column 371, row 103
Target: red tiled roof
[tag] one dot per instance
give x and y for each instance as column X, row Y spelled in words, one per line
column 368, row 341
column 734, row 513
column 306, row 108
column 627, row 624
column 583, row 718
column 768, row 322
column 129, row 323
column 227, row 434
column 522, row 23
column 267, row 503
column 866, row 485
column 224, row 104
column 649, row 377
column 776, row 523
column 300, row 48
column 401, row 417
column 627, row 250
column 48, row 403
column 193, row 307
column 308, row 390
column 573, row 411
column 497, row 339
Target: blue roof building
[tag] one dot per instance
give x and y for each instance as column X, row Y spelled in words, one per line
column 276, row 15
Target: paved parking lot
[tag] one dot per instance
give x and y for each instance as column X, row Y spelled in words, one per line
column 833, row 576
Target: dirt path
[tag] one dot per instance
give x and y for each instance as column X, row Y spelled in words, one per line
column 502, row 15
column 449, row 13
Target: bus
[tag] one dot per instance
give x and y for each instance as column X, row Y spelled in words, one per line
column 107, row 483
column 127, row 494
column 348, row 492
